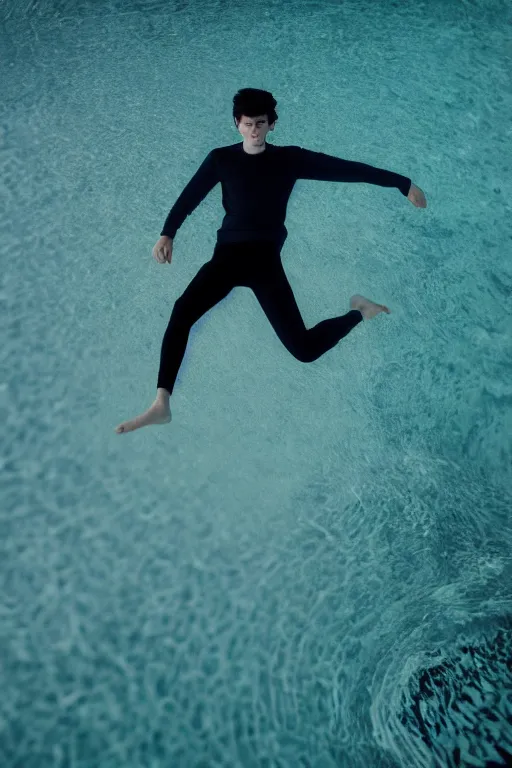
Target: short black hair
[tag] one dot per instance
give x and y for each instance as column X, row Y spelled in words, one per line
column 252, row 102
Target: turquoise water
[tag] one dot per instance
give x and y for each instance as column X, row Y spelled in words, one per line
column 310, row 566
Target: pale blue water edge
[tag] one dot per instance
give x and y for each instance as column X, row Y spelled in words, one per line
column 311, row 565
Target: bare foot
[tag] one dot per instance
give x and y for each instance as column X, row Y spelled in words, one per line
column 158, row 413
column 367, row 308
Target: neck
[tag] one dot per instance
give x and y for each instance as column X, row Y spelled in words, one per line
column 254, row 150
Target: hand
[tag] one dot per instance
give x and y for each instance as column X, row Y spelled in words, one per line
column 162, row 251
column 417, row 197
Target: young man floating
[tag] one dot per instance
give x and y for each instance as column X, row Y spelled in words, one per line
column 257, row 179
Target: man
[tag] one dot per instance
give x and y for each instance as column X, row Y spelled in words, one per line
column 257, row 179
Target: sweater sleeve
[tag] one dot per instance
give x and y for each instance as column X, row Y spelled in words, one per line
column 322, row 167
column 201, row 183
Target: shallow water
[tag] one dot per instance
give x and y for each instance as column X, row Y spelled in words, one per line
column 310, row 566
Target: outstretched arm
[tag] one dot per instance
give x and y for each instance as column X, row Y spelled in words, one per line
column 317, row 165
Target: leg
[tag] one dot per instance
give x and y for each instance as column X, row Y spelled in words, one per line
column 212, row 283
column 274, row 293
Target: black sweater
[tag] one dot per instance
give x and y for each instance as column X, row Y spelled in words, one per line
column 256, row 188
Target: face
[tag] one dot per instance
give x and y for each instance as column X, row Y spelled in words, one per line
column 254, row 129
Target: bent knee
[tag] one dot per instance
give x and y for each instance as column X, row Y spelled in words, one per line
column 304, row 356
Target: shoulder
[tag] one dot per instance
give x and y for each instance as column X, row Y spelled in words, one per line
column 226, row 151
column 223, row 157
column 292, row 153
column 287, row 150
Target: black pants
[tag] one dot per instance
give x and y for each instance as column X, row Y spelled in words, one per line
column 257, row 266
